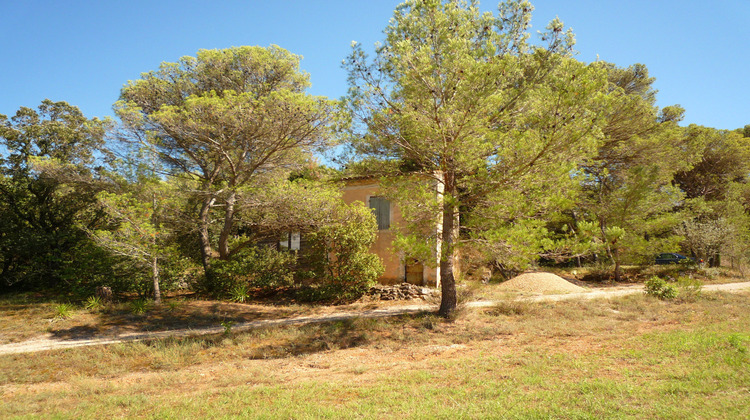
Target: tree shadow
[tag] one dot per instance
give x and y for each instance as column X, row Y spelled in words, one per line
column 79, row 332
column 314, row 339
column 119, row 319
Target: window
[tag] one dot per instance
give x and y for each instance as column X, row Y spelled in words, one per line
column 381, row 208
column 290, row 241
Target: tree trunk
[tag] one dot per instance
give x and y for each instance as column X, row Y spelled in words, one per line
column 155, row 275
column 714, row 260
column 449, row 300
column 205, row 240
column 155, row 260
column 617, row 265
column 227, row 229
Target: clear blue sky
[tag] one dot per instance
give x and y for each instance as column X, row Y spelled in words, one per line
column 83, row 52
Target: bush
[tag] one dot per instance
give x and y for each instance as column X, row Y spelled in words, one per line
column 239, row 293
column 656, row 286
column 260, row 267
column 342, row 266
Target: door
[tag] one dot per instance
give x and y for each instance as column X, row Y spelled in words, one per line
column 414, row 272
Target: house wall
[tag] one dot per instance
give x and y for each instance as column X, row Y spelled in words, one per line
column 395, row 269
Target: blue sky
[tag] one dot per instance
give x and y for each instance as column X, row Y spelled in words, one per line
column 83, row 52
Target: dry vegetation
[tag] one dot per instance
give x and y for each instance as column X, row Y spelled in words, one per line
column 25, row 316
column 634, row 356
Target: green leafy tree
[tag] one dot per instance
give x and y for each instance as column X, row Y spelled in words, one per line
column 714, row 186
column 139, row 234
column 724, row 159
column 627, row 187
column 733, row 214
column 463, row 97
column 339, row 235
column 226, row 119
column 40, row 243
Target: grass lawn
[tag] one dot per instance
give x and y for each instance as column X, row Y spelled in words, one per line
column 629, row 357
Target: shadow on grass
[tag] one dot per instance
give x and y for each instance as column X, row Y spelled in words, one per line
column 296, row 340
column 317, row 338
column 119, row 318
column 270, row 343
column 79, row 332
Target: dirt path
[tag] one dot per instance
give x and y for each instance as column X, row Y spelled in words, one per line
column 49, row 343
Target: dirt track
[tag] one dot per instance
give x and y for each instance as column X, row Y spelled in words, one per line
column 48, row 343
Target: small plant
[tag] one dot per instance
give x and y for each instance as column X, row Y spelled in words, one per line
column 737, row 342
column 94, row 303
column 173, row 305
column 139, row 307
column 656, row 286
column 63, row 311
column 227, row 324
column 239, row 293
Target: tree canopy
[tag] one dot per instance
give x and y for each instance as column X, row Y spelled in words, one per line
column 226, row 118
column 464, row 96
column 40, row 214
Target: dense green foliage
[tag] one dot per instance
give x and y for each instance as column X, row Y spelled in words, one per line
column 519, row 152
column 260, row 267
column 658, row 287
column 340, row 261
column 42, row 244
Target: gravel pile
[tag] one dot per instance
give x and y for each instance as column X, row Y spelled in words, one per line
column 541, row 283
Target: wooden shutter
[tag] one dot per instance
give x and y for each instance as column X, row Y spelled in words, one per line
column 382, row 210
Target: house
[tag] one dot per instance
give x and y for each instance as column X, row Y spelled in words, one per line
column 397, row 268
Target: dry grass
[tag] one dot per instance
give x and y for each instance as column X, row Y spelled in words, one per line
column 630, row 357
column 23, row 316
column 26, row 316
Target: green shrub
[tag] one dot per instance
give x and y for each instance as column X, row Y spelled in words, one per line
column 139, row 307
column 342, row 266
column 687, row 263
column 239, row 293
column 259, row 267
column 227, row 325
column 656, row 286
column 64, row 311
column 174, row 305
column 94, row 303
column 332, row 293
column 334, row 264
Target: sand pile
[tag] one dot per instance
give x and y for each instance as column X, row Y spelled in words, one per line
column 541, row 283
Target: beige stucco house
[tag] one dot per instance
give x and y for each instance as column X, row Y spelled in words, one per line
column 397, row 268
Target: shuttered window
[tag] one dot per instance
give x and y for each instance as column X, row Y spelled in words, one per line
column 381, row 208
